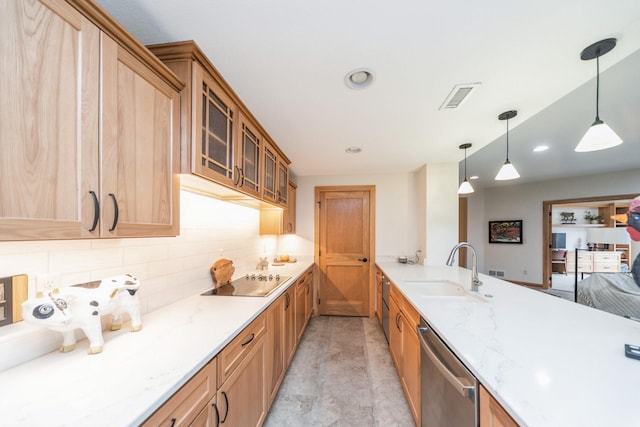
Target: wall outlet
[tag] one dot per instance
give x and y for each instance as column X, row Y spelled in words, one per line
column 45, row 283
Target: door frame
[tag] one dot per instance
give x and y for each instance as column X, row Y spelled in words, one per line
column 371, row 189
column 547, row 206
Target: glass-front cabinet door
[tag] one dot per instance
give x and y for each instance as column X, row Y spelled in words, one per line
column 249, row 160
column 214, row 117
column 270, row 184
column 283, row 182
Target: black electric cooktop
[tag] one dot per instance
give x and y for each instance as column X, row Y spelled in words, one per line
column 254, row 285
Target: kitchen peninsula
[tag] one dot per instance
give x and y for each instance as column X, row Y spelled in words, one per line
column 548, row 361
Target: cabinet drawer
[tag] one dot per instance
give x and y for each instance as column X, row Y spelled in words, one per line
column 606, row 267
column 183, row 407
column 233, row 354
column 607, row 256
column 411, row 314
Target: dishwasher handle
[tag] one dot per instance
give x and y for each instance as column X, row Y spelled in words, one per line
column 463, row 385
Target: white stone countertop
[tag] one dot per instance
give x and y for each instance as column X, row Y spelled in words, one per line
column 548, row 361
column 136, row 372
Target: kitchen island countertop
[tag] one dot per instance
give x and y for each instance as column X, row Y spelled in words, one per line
column 136, row 372
column 548, row 361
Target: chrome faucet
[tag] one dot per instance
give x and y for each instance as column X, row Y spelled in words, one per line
column 475, row 281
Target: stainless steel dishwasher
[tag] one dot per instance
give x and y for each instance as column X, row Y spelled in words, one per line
column 449, row 390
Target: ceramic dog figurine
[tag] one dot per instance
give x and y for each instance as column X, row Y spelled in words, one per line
column 81, row 306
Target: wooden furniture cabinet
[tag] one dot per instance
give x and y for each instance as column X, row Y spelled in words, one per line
column 221, row 140
column 491, row 413
column 594, row 261
column 92, row 124
column 405, row 348
column 242, row 390
column 289, row 214
column 193, row 404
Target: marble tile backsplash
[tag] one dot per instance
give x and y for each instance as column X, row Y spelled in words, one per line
column 169, row 268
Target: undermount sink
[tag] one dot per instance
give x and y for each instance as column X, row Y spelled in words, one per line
column 444, row 289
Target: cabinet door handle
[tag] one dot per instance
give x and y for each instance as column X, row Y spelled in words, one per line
column 96, row 210
column 290, row 227
column 226, row 405
column 236, row 181
column 363, row 259
column 288, row 298
column 215, row 408
column 115, row 211
column 173, row 422
column 397, row 322
column 249, row 340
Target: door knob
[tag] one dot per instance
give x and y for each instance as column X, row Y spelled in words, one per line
column 363, row 259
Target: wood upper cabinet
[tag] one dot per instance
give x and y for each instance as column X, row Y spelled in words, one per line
column 140, row 187
column 49, row 120
column 79, row 102
column 289, row 214
column 491, row 413
column 213, row 119
column 220, row 139
column 248, row 160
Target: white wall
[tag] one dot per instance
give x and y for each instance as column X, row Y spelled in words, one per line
column 524, row 202
column 396, row 209
column 438, row 211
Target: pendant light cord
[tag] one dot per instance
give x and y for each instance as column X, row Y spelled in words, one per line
column 465, row 164
column 507, row 140
column 598, row 86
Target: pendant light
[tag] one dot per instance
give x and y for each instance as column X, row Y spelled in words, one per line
column 599, row 136
column 465, row 186
column 507, row 171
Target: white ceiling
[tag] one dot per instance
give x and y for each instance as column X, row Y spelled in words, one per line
column 287, row 60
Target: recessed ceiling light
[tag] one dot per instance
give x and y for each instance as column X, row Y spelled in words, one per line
column 474, row 177
column 359, row 78
column 540, row 148
column 353, row 150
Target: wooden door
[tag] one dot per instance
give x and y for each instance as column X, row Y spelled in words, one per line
column 289, row 325
column 270, row 170
column 344, row 236
column 140, row 131
column 49, row 81
column 249, row 156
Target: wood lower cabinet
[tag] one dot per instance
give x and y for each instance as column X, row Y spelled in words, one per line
column 242, row 391
column 379, row 278
column 491, row 413
column 404, row 344
column 193, row 404
column 289, row 325
column 93, row 122
column 242, row 398
column 276, row 360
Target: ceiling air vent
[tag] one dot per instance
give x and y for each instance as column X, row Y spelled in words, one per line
column 458, row 95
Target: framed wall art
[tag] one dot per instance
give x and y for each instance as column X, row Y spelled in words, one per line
column 507, row 231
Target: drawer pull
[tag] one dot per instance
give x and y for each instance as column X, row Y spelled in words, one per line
column 115, row 214
column 215, row 408
column 96, row 210
column 226, row 405
column 249, row 340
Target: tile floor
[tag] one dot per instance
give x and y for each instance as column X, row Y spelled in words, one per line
column 341, row 375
